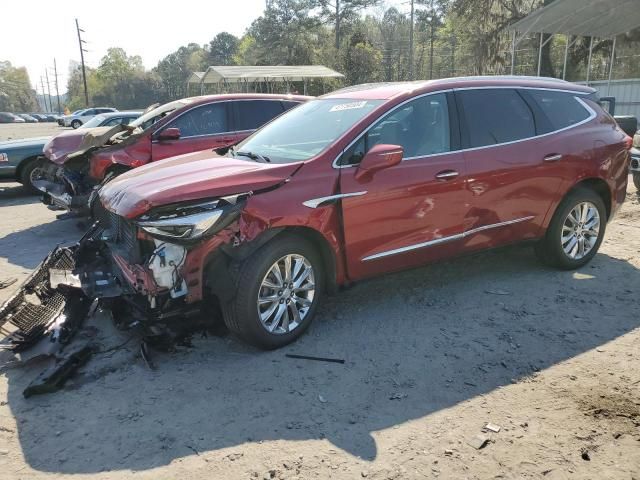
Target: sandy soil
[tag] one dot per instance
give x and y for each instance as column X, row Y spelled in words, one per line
column 432, row 355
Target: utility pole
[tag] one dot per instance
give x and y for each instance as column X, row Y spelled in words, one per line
column 44, row 97
column 84, row 73
column 55, row 71
column 411, row 44
column 431, row 49
column 46, row 75
column 453, row 56
column 337, row 24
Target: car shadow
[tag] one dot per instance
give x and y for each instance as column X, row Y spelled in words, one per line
column 12, row 193
column 414, row 343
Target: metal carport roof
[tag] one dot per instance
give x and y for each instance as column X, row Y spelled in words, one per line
column 589, row 18
column 274, row 73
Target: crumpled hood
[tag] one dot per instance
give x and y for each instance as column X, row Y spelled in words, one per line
column 188, row 177
column 79, row 141
column 22, row 143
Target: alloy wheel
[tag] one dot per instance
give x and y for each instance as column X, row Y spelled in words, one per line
column 286, row 294
column 580, row 230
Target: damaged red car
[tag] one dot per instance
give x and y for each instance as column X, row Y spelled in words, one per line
column 363, row 181
column 77, row 161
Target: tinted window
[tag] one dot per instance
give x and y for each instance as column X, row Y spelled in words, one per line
column 562, row 109
column 496, row 116
column 252, row 114
column 288, row 105
column 114, row 121
column 421, row 127
column 204, row 120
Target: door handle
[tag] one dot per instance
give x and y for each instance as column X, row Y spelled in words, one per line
column 447, row 174
column 553, row 157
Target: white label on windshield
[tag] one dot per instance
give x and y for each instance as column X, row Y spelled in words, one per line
column 348, row 106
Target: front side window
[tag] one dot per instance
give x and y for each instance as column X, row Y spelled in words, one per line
column 303, row 132
column 420, row 127
column 496, row 116
column 208, row 119
column 94, row 122
column 562, row 109
column 252, row 114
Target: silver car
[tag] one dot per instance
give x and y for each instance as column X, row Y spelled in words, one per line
column 80, row 117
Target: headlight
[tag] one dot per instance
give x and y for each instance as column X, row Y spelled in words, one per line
column 185, row 223
column 188, row 227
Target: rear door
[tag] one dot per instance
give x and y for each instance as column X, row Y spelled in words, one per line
column 205, row 127
column 413, row 212
column 512, row 176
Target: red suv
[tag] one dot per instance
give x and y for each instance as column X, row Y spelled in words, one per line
column 361, row 182
column 80, row 159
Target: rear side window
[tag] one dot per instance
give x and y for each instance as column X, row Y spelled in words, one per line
column 495, row 116
column 251, row 114
column 287, row 105
column 561, row 109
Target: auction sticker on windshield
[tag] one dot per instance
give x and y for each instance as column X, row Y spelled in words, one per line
column 348, row 106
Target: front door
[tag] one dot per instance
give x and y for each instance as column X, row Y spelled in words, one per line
column 205, row 127
column 413, row 212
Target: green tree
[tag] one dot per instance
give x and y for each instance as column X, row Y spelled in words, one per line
column 222, row 49
column 175, row 69
column 362, row 60
column 16, row 94
column 341, row 13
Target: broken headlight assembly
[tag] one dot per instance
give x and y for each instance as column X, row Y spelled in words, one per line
column 189, row 222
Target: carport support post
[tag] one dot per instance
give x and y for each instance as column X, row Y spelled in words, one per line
column 589, row 61
column 566, row 56
column 513, row 52
column 613, row 56
column 540, row 53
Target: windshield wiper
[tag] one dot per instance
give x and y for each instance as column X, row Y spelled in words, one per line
column 253, row 156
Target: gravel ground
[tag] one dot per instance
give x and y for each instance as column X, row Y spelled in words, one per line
column 431, row 356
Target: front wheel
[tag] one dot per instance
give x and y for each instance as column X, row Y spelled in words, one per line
column 575, row 232
column 636, row 181
column 278, row 291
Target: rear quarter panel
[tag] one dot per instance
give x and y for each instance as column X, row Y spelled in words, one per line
column 595, row 150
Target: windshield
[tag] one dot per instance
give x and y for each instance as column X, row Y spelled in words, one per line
column 305, row 131
column 94, row 122
column 151, row 117
column 78, row 112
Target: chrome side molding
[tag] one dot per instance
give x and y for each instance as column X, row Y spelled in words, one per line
column 438, row 241
column 323, row 201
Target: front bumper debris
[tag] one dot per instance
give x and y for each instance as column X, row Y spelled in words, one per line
column 38, row 309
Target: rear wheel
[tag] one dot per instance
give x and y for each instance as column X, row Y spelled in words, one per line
column 29, row 172
column 636, row 181
column 575, row 232
column 278, row 290
column 76, row 124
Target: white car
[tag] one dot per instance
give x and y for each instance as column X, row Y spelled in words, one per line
column 80, row 117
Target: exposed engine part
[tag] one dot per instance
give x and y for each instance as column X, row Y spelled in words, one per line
column 165, row 263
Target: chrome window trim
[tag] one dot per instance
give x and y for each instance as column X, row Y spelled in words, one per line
column 212, row 103
column 317, row 202
column 438, row 241
column 592, row 115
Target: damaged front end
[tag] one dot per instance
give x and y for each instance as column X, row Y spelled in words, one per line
column 64, row 178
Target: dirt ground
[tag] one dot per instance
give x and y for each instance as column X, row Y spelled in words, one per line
column 431, row 356
column 12, row 131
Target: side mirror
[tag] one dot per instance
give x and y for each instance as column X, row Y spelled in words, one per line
column 378, row 158
column 169, row 134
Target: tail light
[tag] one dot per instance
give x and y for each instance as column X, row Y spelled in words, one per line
column 628, row 141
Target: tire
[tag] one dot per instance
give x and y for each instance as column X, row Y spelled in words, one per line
column 550, row 249
column 636, row 181
column 76, row 124
column 25, row 174
column 241, row 314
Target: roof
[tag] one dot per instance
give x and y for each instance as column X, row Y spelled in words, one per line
column 238, row 96
column 384, row 91
column 278, row 73
column 597, row 18
column 120, row 113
